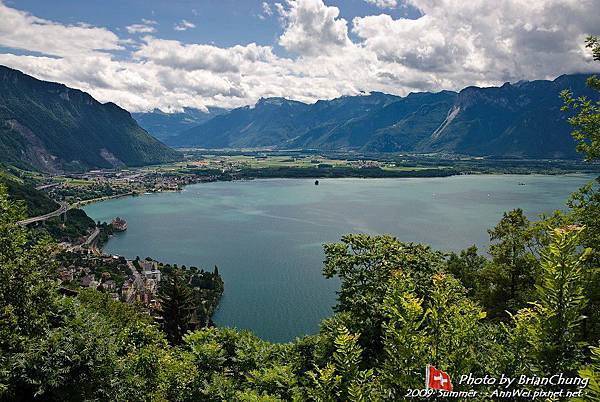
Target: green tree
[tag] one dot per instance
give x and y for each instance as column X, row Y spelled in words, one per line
column 509, row 278
column 236, row 365
column 276, row 380
column 176, row 305
column 407, row 342
column 585, row 211
column 365, row 265
column 446, row 330
column 467, row 268
column 342, row 379
column 71, row 362
column 452, row 323
column 585, row 203
column 587, row 120
column 546, row 334
column 562, row 297
column 592, row 372
column 28, row 298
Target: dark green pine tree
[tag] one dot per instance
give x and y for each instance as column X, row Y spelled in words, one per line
column 177, row 305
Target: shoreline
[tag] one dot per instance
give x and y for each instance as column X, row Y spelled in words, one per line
column 84, row 203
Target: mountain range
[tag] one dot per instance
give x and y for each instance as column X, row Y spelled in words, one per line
column 163, row 125
column 515, row 120
column 53, row 128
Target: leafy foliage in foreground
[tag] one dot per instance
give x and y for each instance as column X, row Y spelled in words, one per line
column 400, row 308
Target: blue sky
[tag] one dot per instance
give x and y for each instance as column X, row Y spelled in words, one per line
column 220, row 22
column 152, row 54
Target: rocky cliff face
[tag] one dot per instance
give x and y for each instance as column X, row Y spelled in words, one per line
column 521, row 120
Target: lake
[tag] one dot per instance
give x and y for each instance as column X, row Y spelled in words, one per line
column 266, row 235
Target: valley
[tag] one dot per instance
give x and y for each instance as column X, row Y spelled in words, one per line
column 201, row 166
column 299, row 201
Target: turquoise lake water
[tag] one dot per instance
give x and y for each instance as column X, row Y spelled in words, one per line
column 266, row 235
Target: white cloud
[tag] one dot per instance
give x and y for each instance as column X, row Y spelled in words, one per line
column 140, row 28
column 174, row 54
column 184, row 25
column 313, row 28
column 452, row 45
column 384, row 3
column 481, row 41
column 267, row 9
column 21, row 30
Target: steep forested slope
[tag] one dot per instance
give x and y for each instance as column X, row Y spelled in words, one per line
column 51, row 127
column 36, row 202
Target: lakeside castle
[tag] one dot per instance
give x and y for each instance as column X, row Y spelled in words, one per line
column 119, row 224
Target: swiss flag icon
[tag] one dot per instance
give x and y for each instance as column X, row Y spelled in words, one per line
column 437, row 379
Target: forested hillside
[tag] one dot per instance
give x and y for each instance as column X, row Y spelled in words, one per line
column 36, row 202
column 53, row 128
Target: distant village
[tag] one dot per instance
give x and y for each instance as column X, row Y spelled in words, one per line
column 97, row 185
column 137, row 281
column 100, row 185
column 132, row 281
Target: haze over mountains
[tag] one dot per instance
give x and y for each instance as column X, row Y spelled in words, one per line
column 516, row 120
column 163, row 125
column 53, row 128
